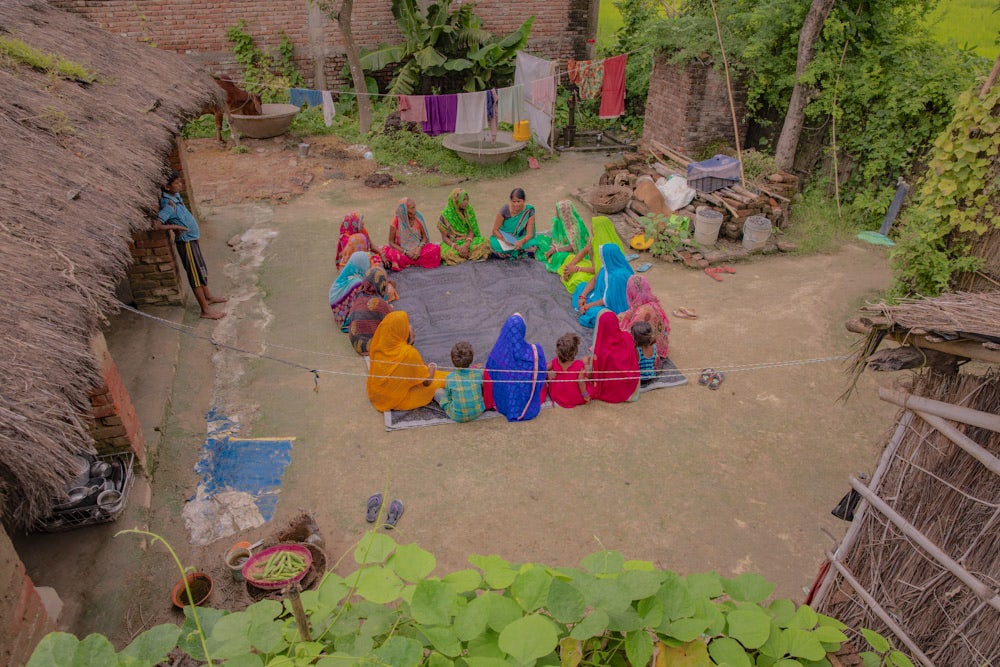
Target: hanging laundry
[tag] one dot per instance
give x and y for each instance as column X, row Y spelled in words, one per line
column 412, row 108
column 441, row 113
column 588, row 75
column 492, row 112
column 470, row 117
column 613, row 89
column 543, row 92
column 510, row 101
column 302, row 96
column 328, row 109
column 531, row 68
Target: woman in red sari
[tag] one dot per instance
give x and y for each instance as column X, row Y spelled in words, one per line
column 614, row 376
column 354, row 238
column 409, row 244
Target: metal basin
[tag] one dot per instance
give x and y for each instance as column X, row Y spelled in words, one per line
column 478, row 149
column 274, row 121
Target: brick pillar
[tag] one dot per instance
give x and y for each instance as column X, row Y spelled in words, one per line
column 154, row 276
column 23, row 617
column 115, row 426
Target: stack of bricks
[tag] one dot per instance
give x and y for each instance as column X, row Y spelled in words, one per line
column 114, row 424
column 153, row 275
column 23, row 617
column 688, row 106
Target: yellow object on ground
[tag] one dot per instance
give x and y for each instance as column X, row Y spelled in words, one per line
column 640, row 242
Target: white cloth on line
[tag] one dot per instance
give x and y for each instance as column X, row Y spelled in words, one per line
column 531, row 68
column 471, row 115
column 328, row 109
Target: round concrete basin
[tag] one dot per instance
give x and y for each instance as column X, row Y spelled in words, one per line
column 478, row 149
column 274, row 120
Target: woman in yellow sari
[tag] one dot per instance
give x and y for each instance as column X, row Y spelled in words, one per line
column 585, row 264
column 398, row 379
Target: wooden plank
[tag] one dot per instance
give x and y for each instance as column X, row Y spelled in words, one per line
column 956, row 413
column 676, row 156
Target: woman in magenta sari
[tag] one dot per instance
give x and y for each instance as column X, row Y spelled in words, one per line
column 643, row 306
column 409, row 244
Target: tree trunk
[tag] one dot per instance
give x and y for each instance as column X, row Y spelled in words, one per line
column 354, row 63
column 788, row 142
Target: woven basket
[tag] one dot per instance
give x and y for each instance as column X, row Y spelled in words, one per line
column 609, row 199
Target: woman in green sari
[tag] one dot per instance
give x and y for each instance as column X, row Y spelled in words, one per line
column 514, row 229
column 568, row 237
column 581, row 267
column 460, row 238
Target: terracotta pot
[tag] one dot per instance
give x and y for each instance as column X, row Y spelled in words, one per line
column 201, row 588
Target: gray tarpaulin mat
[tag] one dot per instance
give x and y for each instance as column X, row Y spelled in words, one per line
column 472, row 300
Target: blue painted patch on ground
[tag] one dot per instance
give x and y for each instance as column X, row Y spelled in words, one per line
column 250, row 465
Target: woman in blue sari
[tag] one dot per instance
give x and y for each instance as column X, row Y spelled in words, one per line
column 514, row 228
column 517, row 372
column 605, row 290
column 347, row 284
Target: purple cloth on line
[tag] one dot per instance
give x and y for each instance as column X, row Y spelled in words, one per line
column 442, row 111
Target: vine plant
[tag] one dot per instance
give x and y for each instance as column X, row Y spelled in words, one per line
column 392, row 611
column 958, row 195
column 270, row 75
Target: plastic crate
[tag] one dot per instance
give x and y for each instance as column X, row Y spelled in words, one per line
column 711, row 183
column 89, row 515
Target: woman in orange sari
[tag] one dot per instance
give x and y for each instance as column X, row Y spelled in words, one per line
column 398, row 379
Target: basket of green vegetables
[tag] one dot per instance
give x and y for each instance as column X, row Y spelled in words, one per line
column 278, row 566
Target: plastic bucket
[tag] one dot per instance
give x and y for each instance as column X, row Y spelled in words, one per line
column 235, row 558
column 522, row 131
column 756, row 232
column 707, row 222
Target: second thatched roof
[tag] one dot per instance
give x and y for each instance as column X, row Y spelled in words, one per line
column 80, row 169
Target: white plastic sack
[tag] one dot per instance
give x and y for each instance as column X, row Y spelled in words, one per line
column 675, row 191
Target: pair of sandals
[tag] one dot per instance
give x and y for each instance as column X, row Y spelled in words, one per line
column 374, row 506
column 685, row 314
column 642, row 268
column 711, row 378
column 714, row 271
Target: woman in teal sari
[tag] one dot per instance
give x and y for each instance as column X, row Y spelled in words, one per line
column 568, row 237
column 514, row 229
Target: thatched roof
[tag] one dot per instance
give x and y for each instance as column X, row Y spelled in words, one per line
column 957, row 315
column 80, row 168
column 950, row 495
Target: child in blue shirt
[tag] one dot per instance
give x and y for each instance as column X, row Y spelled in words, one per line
column 645, row 347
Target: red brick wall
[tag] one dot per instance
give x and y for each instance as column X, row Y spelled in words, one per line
column 153, row 275
column 115, row 424
column 688, row 106
column 23, row 618
column 198, row 27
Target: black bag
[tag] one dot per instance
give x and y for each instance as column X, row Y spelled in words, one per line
column 845, row 508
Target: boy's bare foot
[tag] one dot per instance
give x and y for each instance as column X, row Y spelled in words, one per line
column 212, row 315
column 218, row 299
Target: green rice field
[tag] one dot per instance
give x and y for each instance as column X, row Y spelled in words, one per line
column 975, row 23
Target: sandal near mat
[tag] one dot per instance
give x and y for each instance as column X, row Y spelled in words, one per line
column 372, row 508
column 716, row 379
column 642, row 268
column 684, row 314
column 706, row 375
column 691, row 314
column 395, row 511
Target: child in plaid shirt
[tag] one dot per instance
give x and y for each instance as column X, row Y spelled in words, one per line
column 462, row 396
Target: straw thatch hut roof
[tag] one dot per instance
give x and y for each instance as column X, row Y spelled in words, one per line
column 921, row 561
column 80, row 168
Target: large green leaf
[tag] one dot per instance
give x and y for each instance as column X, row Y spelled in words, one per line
column 463, row 581
column 748, row 587
column 776, row 645
column 400, row 652
column 486, row 645
column 804, row 618
column 383, row 56
column 332, row 589
column 750, row 627
column 189, row 640
column 254, row 660
column 376, row 584
column 684, row 629
column 438, row 660
column 727, row 651
column 444, row 640
column 627, row 620
column 503, row 611
column 471, row 621
column 603, row 562
column 638, row 647
column 57, row 649
column 432, row 603
column 152, row 646
column 531, row 587
column 877, row 641
column 604, row 594
column 638, row 585
column 412, row 563
column 428, row 57
column 782, row 611
column 677, row 602
column 651, row 611
column 593, row 625
column 497, row 573
column 230, row 636
column 565, row 602
column 529, row 638
column 802, row 644
column 373, row 548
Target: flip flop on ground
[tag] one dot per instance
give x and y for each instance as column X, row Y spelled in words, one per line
column 373, row 506
column 684, row 314
column 395, row 511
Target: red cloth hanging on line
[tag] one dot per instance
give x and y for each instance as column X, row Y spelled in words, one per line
column 613, row 88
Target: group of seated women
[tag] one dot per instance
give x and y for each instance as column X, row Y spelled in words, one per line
column 590, row 263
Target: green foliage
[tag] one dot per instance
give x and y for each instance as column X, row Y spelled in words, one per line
column 446, row 50
column 883, row 653
column 392, row 611
column 203, row 127
column 969, row 24
column 757, row 165
column 814, row 225
column 957, row 198
column 667, row 232
column 894, row 92
column 17, row 51
column 268, row 74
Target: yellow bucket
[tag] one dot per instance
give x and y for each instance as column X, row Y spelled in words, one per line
column 522, row 131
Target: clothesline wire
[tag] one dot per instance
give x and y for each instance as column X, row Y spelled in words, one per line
column 189, row 331
column 557, row 75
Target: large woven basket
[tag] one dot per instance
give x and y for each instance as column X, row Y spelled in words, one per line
column 609, row 199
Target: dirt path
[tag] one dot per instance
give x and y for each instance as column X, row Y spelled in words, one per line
column 740, row 479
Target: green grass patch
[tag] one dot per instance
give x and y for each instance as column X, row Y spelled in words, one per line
column 972, row 24
column 19, row 52
column 814, row 225
column 609, row 20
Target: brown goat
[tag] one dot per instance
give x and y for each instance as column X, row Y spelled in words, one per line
column 238, row 101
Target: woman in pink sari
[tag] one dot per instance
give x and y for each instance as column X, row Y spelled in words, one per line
column 615, row 366
column 643, row 306
column 409, row 244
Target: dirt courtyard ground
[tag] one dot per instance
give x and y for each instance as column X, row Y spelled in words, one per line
column 736, row 480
